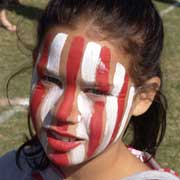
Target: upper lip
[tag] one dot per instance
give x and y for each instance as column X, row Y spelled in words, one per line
column 59, row 132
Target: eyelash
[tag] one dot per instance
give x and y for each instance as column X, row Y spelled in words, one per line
column 96, row 91
column 53, row 80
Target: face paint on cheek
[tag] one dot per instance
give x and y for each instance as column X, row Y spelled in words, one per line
column 36, row 98
column 78, row 154
column 125, row 117
column 85, row 107
column 45, row 114
column 120, row 89
column 112, row 107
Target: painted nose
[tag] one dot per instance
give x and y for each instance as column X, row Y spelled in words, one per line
column 67, row 107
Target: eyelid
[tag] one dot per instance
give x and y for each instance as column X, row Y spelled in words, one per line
column 96, row 91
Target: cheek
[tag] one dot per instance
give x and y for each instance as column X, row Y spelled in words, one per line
column 96, row 128
column 106, row 124
column 85, row 108
column 37, row 96
column 43, row 100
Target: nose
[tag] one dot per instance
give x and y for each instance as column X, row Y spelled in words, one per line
column 66, row 109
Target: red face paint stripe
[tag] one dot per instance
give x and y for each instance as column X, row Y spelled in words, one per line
column 102, row 74
column 121, row 102
column 44, row 56
column 72, row 69
column 65, row 108
column 36, row 99
column 95, row 128
column 60, row 159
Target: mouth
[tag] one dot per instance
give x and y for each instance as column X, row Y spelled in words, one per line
column 62, row 135
column 67, row 138
column 61, row 141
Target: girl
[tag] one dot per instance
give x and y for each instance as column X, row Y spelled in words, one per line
column 96, row 71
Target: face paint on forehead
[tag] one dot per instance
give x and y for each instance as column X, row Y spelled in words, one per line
column 56, row 48
column 102, row 73
column 90, row 62
column 49, row 57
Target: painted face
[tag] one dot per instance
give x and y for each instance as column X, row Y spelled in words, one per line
column 80, row 99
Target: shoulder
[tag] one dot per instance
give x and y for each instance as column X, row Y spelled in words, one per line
column 152, row 174
column 9, row 169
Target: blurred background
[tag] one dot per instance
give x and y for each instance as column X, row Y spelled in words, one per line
column 15, row 54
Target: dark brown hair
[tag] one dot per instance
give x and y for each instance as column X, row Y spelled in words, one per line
column 137, row 28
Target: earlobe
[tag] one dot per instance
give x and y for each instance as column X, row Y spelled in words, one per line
column 145, row 96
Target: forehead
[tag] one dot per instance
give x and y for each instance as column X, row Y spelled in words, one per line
column 117, row 53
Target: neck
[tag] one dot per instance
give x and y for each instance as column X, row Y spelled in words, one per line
column 114, row 163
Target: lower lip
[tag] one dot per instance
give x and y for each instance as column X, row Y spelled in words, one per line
column 59, row 145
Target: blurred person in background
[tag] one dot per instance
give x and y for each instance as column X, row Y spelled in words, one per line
column 4, row 22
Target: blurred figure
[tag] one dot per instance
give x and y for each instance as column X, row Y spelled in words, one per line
column 4, row 22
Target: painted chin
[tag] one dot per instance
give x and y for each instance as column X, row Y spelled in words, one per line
column 65, row 154
column 68, row 154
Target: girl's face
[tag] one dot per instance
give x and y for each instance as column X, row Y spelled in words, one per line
column 81, row 97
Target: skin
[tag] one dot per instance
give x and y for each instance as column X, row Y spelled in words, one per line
column 121, row 163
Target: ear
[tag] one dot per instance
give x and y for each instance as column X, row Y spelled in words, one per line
column 145, row 96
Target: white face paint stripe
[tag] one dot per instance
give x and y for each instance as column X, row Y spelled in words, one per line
column 81, row 131
column 77, row 155
column 125, row 117
column 111, row 116
column 85, row 107
column 48, row 102
column 118, row 79
column 90, row 62
column 55, row 53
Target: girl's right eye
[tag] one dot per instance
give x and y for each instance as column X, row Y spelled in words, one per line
column 54, row 80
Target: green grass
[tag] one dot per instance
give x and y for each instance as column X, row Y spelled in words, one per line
column 13, row 56
column 169, row 152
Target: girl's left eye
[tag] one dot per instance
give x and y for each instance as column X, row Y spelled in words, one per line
column 53, row 80
column 96, row 91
